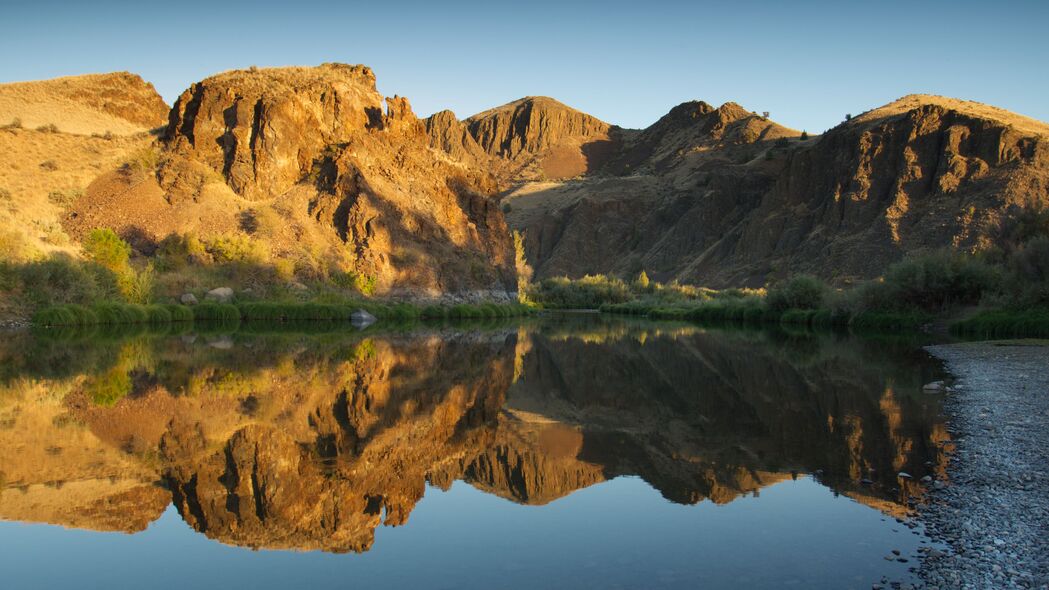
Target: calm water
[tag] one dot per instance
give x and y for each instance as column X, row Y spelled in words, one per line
column 562, row 452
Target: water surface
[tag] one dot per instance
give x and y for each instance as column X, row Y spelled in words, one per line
column 583, row 452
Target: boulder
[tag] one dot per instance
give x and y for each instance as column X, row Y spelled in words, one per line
column 220, row 295
column 362, row 318
column 188, row 299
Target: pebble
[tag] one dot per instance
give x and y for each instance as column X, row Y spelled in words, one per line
column 988, row 525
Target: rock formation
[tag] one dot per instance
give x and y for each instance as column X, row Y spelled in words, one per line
column 348, row 180
column 723, row 197
column 344, row 182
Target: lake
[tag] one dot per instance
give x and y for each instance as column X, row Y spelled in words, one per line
column 555, row 452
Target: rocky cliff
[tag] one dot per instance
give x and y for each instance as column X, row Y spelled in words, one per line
column 723, row 197
column 330, row 176
column 324, row 172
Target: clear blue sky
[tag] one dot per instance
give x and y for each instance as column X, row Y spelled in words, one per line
column 807, row 62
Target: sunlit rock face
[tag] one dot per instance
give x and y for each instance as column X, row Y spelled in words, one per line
column 312, row 442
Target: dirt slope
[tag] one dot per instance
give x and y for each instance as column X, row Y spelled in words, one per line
column 56, row 137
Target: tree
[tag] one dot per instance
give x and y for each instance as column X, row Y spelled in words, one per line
column 106, row 248
column 804, row 135
column 642, row 280
column 521, row 266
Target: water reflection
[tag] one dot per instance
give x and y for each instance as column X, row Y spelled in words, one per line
column 312, row 441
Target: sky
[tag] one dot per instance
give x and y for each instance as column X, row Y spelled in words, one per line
column 806, row 62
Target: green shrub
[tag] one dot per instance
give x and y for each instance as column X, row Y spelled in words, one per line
column 589, row 292
column 404, row 312
column 55, row 315
column 179, row 250
column 464, row 311
column 106, row 248
column 236, row 248
column 885, row 321
column 431, row 312
column 263, row 311
column 58, row 280
column 799, row 317
column 1029, row 266
column 932, row 283
column 800, row 292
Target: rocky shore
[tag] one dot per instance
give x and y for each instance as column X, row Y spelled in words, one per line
column 993, row 517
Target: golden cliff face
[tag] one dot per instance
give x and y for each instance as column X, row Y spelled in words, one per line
column 311, row 443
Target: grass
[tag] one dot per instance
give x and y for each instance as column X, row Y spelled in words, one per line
column 1032, row 323
column 262, row 311
column 216, row 312
column 752, row 311
column 110, row 314
column 229, row 315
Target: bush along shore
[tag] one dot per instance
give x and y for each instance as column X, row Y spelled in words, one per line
column 999, row 294
column 263, row 312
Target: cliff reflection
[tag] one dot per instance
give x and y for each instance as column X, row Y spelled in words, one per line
column 310, row 442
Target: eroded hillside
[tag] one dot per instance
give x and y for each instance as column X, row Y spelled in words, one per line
column 326, row 177
column 723, row 197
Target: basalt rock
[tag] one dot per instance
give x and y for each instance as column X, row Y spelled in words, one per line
column 263, row 129
column 724, row 197
column 316, row 143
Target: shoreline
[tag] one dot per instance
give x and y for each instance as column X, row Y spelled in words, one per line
column 993, row 516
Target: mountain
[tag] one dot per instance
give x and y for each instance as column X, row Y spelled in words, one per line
column 326, row 175
column 723, row 197
column 317, row 166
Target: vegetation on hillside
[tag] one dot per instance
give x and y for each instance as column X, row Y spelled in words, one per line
column 1008, row 286
column 110, row 286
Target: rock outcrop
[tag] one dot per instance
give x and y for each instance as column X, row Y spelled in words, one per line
column 264, row 130
column 539, row 137
column 340, row 179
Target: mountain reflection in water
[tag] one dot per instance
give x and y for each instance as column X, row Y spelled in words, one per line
column 312, row 441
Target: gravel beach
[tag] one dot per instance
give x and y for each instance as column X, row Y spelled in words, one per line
column 993, row 516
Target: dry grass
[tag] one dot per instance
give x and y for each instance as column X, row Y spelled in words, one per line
column 117, row 104
column 56, row 137
column 1023, row 124
column 45, row 173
